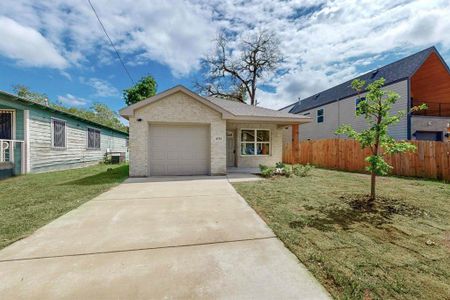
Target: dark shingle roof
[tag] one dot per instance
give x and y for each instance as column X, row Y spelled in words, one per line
column 243, row 109
column 392, row 72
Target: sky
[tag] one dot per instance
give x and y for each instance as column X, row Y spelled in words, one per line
column 58, row 47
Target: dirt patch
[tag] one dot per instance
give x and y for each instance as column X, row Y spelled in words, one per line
column 385, row 206
column 355, row 209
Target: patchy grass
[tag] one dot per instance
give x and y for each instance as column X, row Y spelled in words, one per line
column 398, row 249
column 31, row 201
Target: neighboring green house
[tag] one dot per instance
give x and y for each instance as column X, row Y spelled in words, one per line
column 37, row 138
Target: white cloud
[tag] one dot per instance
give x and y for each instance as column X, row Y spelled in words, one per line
column 329, row 42
column 72, row 100
column 102, row 87
column 174, row 33
column 324, row 42
column 27, row 46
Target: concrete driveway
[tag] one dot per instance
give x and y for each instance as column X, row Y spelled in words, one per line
column 171, row 238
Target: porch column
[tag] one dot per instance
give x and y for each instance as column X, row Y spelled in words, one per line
column 295, row 146
column 26, row 165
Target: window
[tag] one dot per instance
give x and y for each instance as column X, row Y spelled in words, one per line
column 255, row 142
column 358, row 100
column 59, row 133
column 320, row 115
column 93, row 138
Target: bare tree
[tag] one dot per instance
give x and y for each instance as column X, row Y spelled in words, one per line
column 234, row 74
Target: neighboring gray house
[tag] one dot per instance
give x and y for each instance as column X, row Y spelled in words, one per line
column 37, row 138
column 423, row 77
column 179, row 132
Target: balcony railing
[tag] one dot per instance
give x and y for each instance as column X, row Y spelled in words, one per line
column 433, row 110
column 8, row 149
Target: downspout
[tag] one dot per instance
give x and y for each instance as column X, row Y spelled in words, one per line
column 26, row 164
column 408, row 108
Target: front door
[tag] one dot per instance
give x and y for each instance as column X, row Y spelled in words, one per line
column 231, row 149
column 6, row 125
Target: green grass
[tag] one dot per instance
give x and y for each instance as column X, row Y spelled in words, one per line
column 400, row 249
column 31, row 201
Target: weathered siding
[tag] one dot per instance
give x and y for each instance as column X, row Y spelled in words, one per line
column 45, row 158
column 344, row 112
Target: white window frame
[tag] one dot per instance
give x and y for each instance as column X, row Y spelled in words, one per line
column 87, row 138
column 255, row 142
column 13, row 120
column 53, row 133
column 323, row 115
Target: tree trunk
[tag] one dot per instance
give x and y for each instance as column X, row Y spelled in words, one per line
column 373, row 178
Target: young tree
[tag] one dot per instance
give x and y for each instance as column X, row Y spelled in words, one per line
column 235, row 74
column 143, row 89
column 375, row 108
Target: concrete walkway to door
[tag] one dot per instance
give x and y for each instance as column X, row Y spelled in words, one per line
column 171, row 238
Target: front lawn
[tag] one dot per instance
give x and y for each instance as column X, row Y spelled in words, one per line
column 398, row 250
column 31, row 201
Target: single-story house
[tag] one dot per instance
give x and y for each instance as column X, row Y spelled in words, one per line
column 179, row 132
column 423, row 77
column 38, row 138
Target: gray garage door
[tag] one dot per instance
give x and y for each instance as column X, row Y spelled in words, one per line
column 179, row 150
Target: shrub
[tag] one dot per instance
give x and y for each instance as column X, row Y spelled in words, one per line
column 302, row 170
column 267, row 172
column 280, row 165
column 287, row 171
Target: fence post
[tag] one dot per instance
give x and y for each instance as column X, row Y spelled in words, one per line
column 295, row 145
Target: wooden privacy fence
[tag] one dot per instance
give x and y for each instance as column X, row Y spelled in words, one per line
column 430, row 160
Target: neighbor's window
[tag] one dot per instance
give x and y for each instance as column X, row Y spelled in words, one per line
column 59, row 133
column 320, row 115
column 255, row 142
column 93, row 138
column 358, row 100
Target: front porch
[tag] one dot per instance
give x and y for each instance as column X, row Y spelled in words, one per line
column 12, row 143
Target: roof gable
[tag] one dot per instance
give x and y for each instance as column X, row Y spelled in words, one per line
column 394, row 72
column 230, row 110
column 129, row 111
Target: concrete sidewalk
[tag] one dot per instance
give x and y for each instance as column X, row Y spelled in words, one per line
column 178, row 237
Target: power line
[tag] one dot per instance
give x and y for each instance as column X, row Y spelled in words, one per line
column 112, row 44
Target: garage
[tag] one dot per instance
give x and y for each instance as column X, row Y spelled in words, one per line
column 179, row 150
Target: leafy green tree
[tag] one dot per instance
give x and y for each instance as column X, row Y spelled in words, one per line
column 98, row 113
column 24, row 92
column 143, row 89
column 375, row 107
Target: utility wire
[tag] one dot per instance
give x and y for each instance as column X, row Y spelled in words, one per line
column 111, row 42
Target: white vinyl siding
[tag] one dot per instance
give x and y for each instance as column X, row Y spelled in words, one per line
column 344, row 112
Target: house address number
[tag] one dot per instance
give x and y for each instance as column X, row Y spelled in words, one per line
column 218, row 138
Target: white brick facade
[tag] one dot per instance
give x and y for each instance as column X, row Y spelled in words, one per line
column 177, row 108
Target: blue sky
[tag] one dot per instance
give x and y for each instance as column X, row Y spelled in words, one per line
column 58, row 47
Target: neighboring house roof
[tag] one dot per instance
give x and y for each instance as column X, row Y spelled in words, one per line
column 49, row 108
column 393, row 72
column 230, row 110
